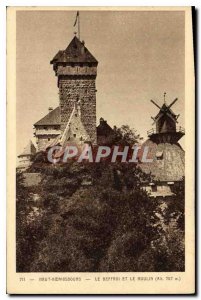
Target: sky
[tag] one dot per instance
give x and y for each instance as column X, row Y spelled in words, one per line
column 141, row 55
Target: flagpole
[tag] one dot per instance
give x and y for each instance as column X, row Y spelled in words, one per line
column 79, row 25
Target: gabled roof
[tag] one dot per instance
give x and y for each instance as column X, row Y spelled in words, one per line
column 75, row 52
column 104, row 129
column 52, row 118
column 29, row 149
column 74, row 133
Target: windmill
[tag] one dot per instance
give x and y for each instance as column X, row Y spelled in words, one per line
column 165, row 122
column 167, row 166
column 165, row 109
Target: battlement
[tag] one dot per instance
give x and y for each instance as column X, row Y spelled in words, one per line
column 73, row 70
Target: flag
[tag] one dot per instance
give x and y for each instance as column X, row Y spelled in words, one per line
column 77, row 16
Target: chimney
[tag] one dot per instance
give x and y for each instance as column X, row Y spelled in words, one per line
column 50, row 109
column 102, row 121
column 82, row 48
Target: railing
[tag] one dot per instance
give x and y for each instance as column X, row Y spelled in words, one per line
column 153, row 131
column 180, row 129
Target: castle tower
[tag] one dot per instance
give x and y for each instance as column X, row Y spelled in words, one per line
column 76, row 70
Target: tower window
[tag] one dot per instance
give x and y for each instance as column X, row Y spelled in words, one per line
column 48, row 139
column 159, row 155
column 154, row 188
column 81, row 139
column 74, row 134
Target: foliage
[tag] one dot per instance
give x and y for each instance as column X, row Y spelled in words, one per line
column 125, row 135
column 108, row 225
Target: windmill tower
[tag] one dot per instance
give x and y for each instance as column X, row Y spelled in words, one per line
column 168, row 156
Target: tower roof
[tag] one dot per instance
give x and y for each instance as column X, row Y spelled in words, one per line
column 75, row 52
column 164, row 110
column 74, row 133
column 28, row 150
column 52, row 118
column 103, row 128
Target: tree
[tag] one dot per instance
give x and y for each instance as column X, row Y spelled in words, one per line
column 110, row 225
column 80, row 224
column 125, row 136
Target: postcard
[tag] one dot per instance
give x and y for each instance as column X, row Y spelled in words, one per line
column 100, row 150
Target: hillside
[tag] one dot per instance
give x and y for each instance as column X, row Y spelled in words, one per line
column 95, row 218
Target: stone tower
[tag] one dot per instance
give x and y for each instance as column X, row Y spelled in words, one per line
column 76, row 70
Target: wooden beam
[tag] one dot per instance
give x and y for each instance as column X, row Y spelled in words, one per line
column 173, row 102
column 155, row 104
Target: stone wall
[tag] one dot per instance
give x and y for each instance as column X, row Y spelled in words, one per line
column 82, row 89
column 169, row 167
column 24, row 162
column 44, row 140
column 76, row 70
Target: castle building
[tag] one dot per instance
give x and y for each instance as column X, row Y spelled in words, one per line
column 76, row 70
column 25, row 156
column 48, row 128
column 168, row 166
column 104, row 133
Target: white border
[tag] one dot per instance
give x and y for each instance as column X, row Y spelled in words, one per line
column 3, row 101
